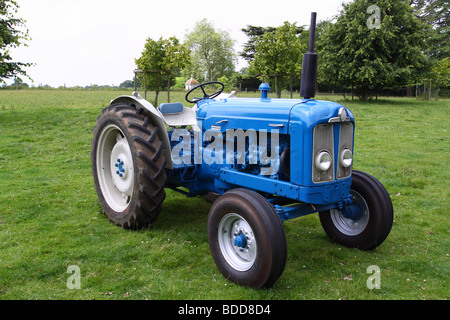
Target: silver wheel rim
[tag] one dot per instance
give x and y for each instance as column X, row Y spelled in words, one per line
column 242, row 256
column 115, row 168
column 348, row 226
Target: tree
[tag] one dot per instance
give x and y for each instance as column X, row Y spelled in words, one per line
column 127, row 84
column 441, row 71
column 436, row 14
column 278, row 54
column 372, row 46
column 159, row 60
column 254, row 33
column 11, row 37
column 226, row 82
column 213, row 55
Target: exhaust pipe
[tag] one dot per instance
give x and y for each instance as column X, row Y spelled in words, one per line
column 310, row 62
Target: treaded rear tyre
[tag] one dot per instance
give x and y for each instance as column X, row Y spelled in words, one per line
column 128, row 166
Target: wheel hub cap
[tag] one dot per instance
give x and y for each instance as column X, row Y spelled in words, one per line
column 240, row 240
column 355, row 217
column 237, row 242
column 122, row 167
column 115, row 168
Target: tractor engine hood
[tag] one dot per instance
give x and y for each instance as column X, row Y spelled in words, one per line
column 266, row 114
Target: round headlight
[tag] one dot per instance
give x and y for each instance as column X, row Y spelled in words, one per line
column 323, row 161
column 346, row 158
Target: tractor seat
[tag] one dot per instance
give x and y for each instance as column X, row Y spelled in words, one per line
column 171, row 108
column 177, row 115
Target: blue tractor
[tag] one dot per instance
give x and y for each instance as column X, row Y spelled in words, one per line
column 260, row 160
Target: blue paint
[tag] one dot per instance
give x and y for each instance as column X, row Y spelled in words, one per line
column 119, row 165
column 293, row 120
column 353, row 211
column 240, row 241
column 264, row 88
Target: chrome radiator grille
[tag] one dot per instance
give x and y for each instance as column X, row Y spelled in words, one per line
column 324, row 140
column 345, row 141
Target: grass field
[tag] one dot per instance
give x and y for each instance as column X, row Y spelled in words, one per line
column 50, row 218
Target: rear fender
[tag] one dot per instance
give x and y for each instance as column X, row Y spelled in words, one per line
column 157, row 120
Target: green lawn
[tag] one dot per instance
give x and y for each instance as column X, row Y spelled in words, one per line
column 50, row 218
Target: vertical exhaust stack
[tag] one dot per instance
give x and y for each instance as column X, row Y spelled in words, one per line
column 310, row 62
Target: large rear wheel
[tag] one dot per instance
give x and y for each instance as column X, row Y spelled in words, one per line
column 128, row 166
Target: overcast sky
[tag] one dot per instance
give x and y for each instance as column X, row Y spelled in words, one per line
column 82, row 42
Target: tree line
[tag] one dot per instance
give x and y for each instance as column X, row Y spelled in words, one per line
column 368, row 45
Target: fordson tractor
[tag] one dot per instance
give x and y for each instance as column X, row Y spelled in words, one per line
column 265, row 161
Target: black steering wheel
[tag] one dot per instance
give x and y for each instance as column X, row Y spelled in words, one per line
column 205, row 95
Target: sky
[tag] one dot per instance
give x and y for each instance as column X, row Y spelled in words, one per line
column 83, row 42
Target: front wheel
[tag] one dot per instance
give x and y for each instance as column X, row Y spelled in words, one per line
column 371, row 225
column 247, row 239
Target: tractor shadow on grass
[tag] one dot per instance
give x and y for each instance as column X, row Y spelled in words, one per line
column 182, row 213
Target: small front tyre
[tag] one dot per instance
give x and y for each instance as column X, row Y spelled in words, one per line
column 247, row 239
column 371, row 226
